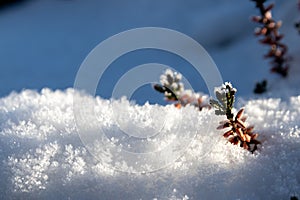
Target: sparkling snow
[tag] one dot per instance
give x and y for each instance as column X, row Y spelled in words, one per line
column 43, row 156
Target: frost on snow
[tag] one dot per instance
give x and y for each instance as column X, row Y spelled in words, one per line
column 43, row 156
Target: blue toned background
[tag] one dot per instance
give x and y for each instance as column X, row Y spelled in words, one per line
column 43, row 42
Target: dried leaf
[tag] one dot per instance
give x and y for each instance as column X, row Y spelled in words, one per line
column 269, row 8
column 226, row 125
column 240, row 113
column 240, row 134
column 240, row 123
column 244, row 118
column 247, row 138
column 249, row 129
column 178, row 105
column 234, row 140
column 228, row 133
column 245, row 146
column 254, row 136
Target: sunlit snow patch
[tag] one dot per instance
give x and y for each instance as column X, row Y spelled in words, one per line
column 43, row 157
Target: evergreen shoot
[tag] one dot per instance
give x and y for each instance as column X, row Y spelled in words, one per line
column 236, row 131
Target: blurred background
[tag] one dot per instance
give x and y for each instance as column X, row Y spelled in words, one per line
column 44, row 42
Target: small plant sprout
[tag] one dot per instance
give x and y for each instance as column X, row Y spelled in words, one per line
column 236, row 130
column 174, row 91
column 269, row 31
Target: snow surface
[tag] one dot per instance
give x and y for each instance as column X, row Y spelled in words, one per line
column 42, row 157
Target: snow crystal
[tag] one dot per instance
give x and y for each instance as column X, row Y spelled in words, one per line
column 44, row 157
column 32, row 169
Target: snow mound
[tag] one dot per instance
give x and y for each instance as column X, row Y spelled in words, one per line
column 43, row 156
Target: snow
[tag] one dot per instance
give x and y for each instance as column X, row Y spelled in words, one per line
column 43, row 156
column 43, row 150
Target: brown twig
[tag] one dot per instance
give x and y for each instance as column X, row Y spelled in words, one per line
column 272, row 37
column 239, row 133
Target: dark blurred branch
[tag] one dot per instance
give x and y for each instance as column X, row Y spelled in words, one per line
column 8, row 3
column 297, row 24
column 269, row 30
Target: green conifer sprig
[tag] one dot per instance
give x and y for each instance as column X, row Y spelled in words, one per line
column 225, row 100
